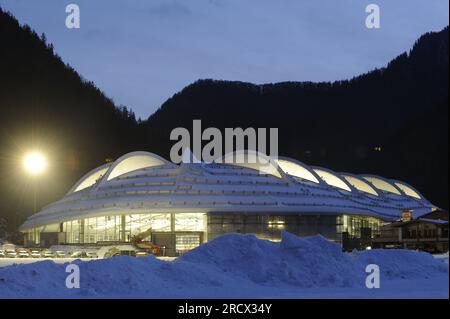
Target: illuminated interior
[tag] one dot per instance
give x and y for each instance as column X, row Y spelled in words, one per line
column 124, row 228
column 360, row 185
column 296, row 170
column 408, row 190
column 382, row 185
column 332, row 179
column 133, row 163
column 352, row 225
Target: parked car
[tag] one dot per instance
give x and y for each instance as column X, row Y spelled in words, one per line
column 60, row 254
column 35, row 254
column 141, row 253
column 11, row 254
column 79, row 254
column 48, row 254
column 113, row 252
column 7, row 247
column 91, row 254
column 23, row 253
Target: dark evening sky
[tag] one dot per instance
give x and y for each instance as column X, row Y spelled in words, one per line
column 142, row 52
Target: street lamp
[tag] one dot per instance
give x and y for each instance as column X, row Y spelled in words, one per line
column 35, row 163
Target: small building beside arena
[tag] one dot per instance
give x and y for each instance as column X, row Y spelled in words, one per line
column 182, row 206
column 429, row 232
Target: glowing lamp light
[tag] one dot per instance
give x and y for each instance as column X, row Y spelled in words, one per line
column 35, row 163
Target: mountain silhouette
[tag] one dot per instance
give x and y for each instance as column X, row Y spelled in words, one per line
column 391, row 121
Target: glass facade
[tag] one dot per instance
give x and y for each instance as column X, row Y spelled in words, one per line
column 352, row 224
column 125, row 227
column 271, row 226
column 190, row 222
column 180, row 232
column 186, row 242
column 137, row 224
column 121, row 228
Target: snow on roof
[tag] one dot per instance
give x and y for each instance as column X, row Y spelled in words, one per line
column 142, row 182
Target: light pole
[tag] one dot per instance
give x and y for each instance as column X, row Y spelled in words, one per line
column 34, row 164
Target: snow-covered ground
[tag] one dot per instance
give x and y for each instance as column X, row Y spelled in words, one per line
column 19, row 261
column 239, row 266
column 443, row 257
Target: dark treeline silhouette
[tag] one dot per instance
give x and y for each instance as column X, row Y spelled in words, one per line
column 45, row 104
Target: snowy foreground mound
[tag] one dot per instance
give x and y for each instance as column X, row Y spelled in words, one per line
column 235, row 266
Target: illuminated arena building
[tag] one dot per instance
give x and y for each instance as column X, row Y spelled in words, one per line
column 181, row 206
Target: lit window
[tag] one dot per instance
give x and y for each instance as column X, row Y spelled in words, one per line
column 161, row 223
column 190, row 222
column 275, row 224
column 186, row 242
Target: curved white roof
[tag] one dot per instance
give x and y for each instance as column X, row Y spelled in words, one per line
column 252, row 160
column 90, row 178
column 359, row 184
column 134, row 161
column 407, row 189
column 297, row 169
column 332, row 179
column 382, row 184
column 142, row 182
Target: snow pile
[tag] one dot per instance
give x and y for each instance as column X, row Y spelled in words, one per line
column 403, row 264
column 227, row 266
column 443, row 257
column 302, row 262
